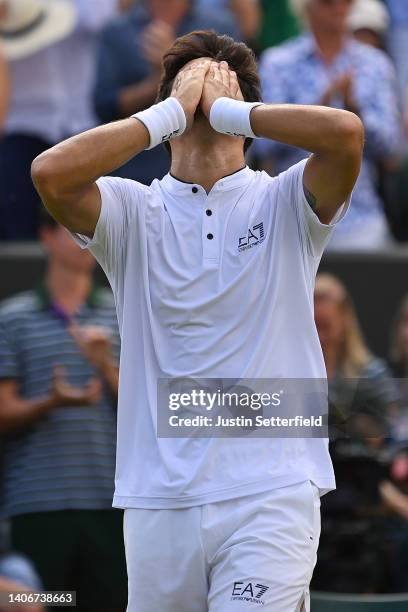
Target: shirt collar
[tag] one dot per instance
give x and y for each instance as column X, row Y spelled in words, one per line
column 45, row 301
column 180, row 188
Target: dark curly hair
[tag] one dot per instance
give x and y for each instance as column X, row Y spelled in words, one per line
column 207, row 43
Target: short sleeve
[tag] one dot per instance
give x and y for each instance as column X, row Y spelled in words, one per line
column 315, row 233
column 121, row 200
column 8, row 352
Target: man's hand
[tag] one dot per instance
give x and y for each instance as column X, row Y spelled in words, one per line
column 343, row 88
column 188, row 87
column 219, row 82
column 156, row 40
column 65, row 395
column 17, row 411
column 94, row 342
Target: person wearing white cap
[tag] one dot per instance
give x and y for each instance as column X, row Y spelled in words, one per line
column 50, row 45
column 398, row 42
column 326, row 65
column 212, row 269
column 369, row 21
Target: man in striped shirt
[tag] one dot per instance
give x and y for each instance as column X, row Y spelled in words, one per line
column 58, row 391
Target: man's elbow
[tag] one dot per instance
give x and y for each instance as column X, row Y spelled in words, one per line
column 44, row 176
column 352, row 134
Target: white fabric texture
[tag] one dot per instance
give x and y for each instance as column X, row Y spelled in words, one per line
column 257, row 552
column 238, row 305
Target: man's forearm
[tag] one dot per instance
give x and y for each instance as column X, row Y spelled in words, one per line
column 76, row 163
column 19, row 412
column 65, row 175
column 317, row 129
column 334, row 137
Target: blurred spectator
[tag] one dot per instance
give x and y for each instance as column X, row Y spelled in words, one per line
column 369, row 22
column 125, row 5
column 9, row 587
column 4, row 77
column 394, row 493
column 326, row 66
column 399, row 365
column 398, row 40
column 361, row 392
column 4, row 88
column 245, row 13
column 58, row 388
column 278, row 23
column 130, row 62
column 399, row 347
column 360, row 384
column 32, row 120
column 76, row 57
column 17, row 574
column 353, row 542
column 18, row 569
column 52, row 64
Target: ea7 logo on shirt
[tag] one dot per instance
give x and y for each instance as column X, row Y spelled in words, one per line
column 254, row 236
column 247, row 591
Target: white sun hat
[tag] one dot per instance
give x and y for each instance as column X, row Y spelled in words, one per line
column 369, row 15
column 31, row 25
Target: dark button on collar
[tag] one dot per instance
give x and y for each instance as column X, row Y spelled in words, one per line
column 208, row 212
column 195, row 190
column 210, row 236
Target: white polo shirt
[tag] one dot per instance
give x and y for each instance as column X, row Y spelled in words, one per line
column 210, row 286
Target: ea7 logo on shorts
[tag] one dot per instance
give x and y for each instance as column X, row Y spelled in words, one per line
column 254, row 236
column 247, row 591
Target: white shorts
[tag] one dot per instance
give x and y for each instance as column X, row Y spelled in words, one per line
column 253, row 553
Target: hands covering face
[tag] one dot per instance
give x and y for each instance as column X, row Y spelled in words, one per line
column 201, row 82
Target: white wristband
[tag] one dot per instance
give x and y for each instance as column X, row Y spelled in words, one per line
column 163, row 121
column 232, row 117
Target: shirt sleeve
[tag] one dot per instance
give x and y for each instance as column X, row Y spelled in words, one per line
column 121, row 200
column 8, row 352
column 315, row 234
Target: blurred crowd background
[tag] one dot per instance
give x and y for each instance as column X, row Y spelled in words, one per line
column 69, row 65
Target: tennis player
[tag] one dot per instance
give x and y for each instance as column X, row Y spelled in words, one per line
column 212, row 269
